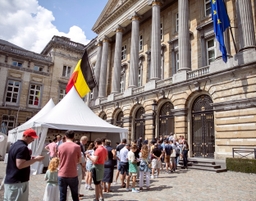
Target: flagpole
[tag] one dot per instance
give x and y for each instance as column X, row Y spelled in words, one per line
column 233, row 39
column 230, row 28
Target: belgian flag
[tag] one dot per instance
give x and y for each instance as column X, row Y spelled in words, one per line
column 82, row 78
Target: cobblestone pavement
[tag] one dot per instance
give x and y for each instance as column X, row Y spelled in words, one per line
column 194, row 185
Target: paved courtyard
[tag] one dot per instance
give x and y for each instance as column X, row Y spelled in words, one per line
column 194, row 185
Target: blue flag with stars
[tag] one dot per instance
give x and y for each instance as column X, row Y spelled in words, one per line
column 220, row 23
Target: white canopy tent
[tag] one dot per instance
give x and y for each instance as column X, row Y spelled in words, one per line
column 71, row 113
column 17, row 132
column 3, row 145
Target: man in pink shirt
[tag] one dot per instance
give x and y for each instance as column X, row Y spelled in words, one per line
column 69, row 154
column 100, row 156
column 52, row 148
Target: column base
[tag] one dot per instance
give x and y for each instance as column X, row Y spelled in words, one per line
column 179, row 77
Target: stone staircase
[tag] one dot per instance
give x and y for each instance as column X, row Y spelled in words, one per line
column 206, row 164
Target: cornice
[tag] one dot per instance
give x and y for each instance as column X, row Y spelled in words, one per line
column 63, row 43
column 105, row 21
column 25, row 54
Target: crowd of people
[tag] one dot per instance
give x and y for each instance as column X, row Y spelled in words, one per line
column 70, row 163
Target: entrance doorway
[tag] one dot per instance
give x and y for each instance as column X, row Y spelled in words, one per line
column 203, row 138
column 139, row 124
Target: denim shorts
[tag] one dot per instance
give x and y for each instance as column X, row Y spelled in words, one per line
column 124, row 168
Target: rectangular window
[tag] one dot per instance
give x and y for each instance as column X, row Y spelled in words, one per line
column 207, row 8
column 123, row 53
column 62, row 93
column 38, row 68
column 8, row 123
column 161, row 31
column 211, row 48
column 177, row 22
column 177, row 61
column 12, row 92
column 141, row 43
column 34, row 95
column 66, row 71
column 17, row 63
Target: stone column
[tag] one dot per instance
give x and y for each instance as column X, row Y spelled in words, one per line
column 134, row 55
column 103, row 69
column 184, row 40
column 117, row 61
column 155, row 68
column 97, row 69
column 245, row 24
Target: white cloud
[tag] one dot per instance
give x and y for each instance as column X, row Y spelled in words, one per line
column 27, row 24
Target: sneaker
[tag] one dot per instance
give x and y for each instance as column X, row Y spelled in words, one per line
column 128, row 189
column 135, row 191
column 152, row 177
column 90, row 188
column 156, row 176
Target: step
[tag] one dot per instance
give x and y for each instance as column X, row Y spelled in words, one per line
column 206, row 165
column 208, row 169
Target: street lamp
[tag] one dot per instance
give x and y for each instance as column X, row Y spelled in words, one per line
column 154, row 106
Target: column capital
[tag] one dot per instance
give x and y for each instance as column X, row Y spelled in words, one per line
column 105, row 39
column 135, row 16
column 98, row 43
column 155, row 2
column 119, row 28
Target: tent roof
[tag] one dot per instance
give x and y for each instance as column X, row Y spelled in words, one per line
column 30, row 123
column 71, row 113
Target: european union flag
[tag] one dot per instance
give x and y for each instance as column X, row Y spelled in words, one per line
column 220, row 22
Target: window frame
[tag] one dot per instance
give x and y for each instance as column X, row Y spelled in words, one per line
column 176, row 22
column 141, row 43
column 213, row 48
column 123, row 52
column 61, row 94
column 177, row 60
column 66, row 71
column 17, row 63
column 206, row 3
column 35, row 95
column 38, row 68
column 7, row 122
column 12, row 92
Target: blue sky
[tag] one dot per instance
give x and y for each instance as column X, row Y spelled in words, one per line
column 31, row 24
column 82, row 13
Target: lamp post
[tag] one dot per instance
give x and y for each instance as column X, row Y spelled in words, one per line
column 154, row 106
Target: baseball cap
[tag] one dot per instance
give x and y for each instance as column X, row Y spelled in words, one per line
column 30, row 133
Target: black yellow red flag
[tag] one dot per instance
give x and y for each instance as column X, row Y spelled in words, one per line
column 82, row 78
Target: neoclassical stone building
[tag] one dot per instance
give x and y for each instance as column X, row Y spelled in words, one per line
column 159, row 70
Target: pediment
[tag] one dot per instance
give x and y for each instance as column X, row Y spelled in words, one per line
column 109, row 9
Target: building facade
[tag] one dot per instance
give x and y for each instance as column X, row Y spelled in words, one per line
column 159, row 71
column 29, row 80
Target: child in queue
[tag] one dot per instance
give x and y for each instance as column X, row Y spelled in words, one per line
column 51, row 176
column 133, row 166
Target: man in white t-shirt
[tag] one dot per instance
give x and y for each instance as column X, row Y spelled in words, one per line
column 124, row 166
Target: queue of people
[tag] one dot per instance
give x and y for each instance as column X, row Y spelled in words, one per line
column 70, row 163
